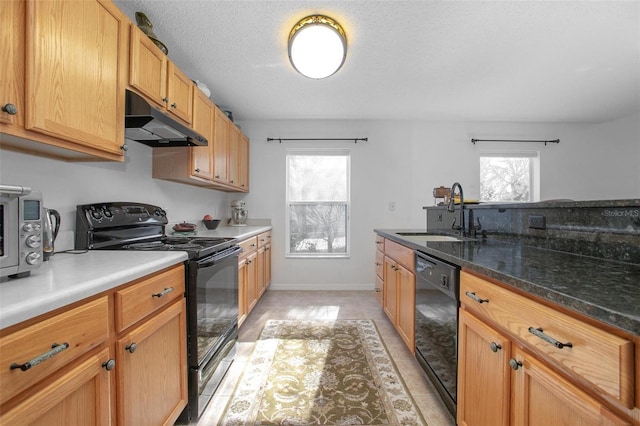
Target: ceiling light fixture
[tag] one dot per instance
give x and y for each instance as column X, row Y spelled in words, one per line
column 317, row 46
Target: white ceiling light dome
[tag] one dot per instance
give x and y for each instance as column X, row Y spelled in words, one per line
column 317, row 46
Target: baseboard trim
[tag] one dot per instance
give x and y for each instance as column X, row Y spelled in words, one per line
column 325, row 286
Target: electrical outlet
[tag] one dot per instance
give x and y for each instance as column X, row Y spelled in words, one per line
column 537, row 221
column 392, row 206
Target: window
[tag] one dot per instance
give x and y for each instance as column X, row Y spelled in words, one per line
column 318, row 203
column 509, row 177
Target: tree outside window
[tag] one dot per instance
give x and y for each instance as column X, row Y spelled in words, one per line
column 318, row 203
column 508, row 177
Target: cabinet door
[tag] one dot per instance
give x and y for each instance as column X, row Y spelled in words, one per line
column 73, row 86
column 390, row 295
column 483, row 374
column 220, row 147
column 79, row 396
column 202, row 156
column 147, row 67
column 152, row 369
column 267, row 265
column 540, row 397
column 180, row 93
column 252, row 281
column 234, row 155
column 260, row 270
column 406, row 287
column 242, row 291
column 243, row 163
column 12, row 54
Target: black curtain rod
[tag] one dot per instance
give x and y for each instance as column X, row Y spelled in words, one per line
column 473, row 141
column 280, row 140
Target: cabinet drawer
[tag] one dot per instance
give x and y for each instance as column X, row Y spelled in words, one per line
column 139, row 300
column 598, row 357
column 379, row 242
column 81, row 328
column 264, row 239
column 380, row 264
column 248, row 246
column 401, row 254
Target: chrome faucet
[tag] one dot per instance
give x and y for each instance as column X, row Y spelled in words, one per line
column 452, row 207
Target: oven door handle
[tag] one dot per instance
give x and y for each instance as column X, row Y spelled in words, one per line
column 215, row 258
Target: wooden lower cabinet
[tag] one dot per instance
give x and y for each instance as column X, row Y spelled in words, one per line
column 254, row 272
column 379, row 286
column 542, row 397
column 507, row 378
column 78, row 396
column 122, row 359
column 152, row 375
column 251, row 280
column 390, row 297
column 399, row 290
column 483, row 374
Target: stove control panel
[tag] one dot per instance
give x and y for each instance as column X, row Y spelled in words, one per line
column 107, row 215
column 103, row 225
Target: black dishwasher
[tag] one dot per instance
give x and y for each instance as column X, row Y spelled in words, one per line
column 436, row 325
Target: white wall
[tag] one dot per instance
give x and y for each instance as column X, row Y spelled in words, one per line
column 65, row 185
column 403, row 161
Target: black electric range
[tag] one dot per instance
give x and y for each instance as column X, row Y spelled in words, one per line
column 211, row 285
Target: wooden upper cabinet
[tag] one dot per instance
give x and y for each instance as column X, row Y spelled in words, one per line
column 64, row 72
column 221, row 147
column 158, row 79
column 243, row 163
column 180, row 92
column 234, row 153
column 12, row 53
column 147, row 67
column 202, row 156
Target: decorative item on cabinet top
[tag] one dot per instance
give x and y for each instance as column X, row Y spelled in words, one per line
column 147, row 27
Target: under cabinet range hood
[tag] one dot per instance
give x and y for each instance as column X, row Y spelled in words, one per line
column 146, row 124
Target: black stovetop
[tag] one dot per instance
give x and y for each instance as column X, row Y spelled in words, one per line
column 196, row 247
column 137, row 226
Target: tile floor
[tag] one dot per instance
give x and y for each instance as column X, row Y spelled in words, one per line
column 329, row 305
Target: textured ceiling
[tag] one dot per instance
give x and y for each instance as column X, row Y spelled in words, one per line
column 574, row 61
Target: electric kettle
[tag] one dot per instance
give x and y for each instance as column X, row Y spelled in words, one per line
column 50, row 227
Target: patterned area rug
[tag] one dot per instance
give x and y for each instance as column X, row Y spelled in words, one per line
column 321, row 373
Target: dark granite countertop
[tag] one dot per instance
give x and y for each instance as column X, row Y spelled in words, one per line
column 605, row 290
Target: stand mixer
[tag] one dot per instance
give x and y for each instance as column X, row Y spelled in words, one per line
column 238, row 213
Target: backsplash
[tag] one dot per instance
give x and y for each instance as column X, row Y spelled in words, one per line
column 607, row 229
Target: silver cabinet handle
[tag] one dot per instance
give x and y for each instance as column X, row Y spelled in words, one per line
column 514, row 364
column 163, row 292
column 539, row 332
column 10, row 109
column 476, row 298
column 55, row 350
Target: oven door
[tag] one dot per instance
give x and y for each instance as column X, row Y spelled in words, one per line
column 212, row 325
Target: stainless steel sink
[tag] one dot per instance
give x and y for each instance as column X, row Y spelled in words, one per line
column 424, row 237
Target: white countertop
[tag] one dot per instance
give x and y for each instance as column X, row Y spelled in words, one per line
column 239, row 232
column 68, row 278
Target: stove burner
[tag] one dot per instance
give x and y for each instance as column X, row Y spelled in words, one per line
column 168, row 243
column 161, row 246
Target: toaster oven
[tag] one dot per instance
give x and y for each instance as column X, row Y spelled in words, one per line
column 20, row 231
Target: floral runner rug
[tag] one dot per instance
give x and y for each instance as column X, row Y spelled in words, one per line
column 321, row 372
